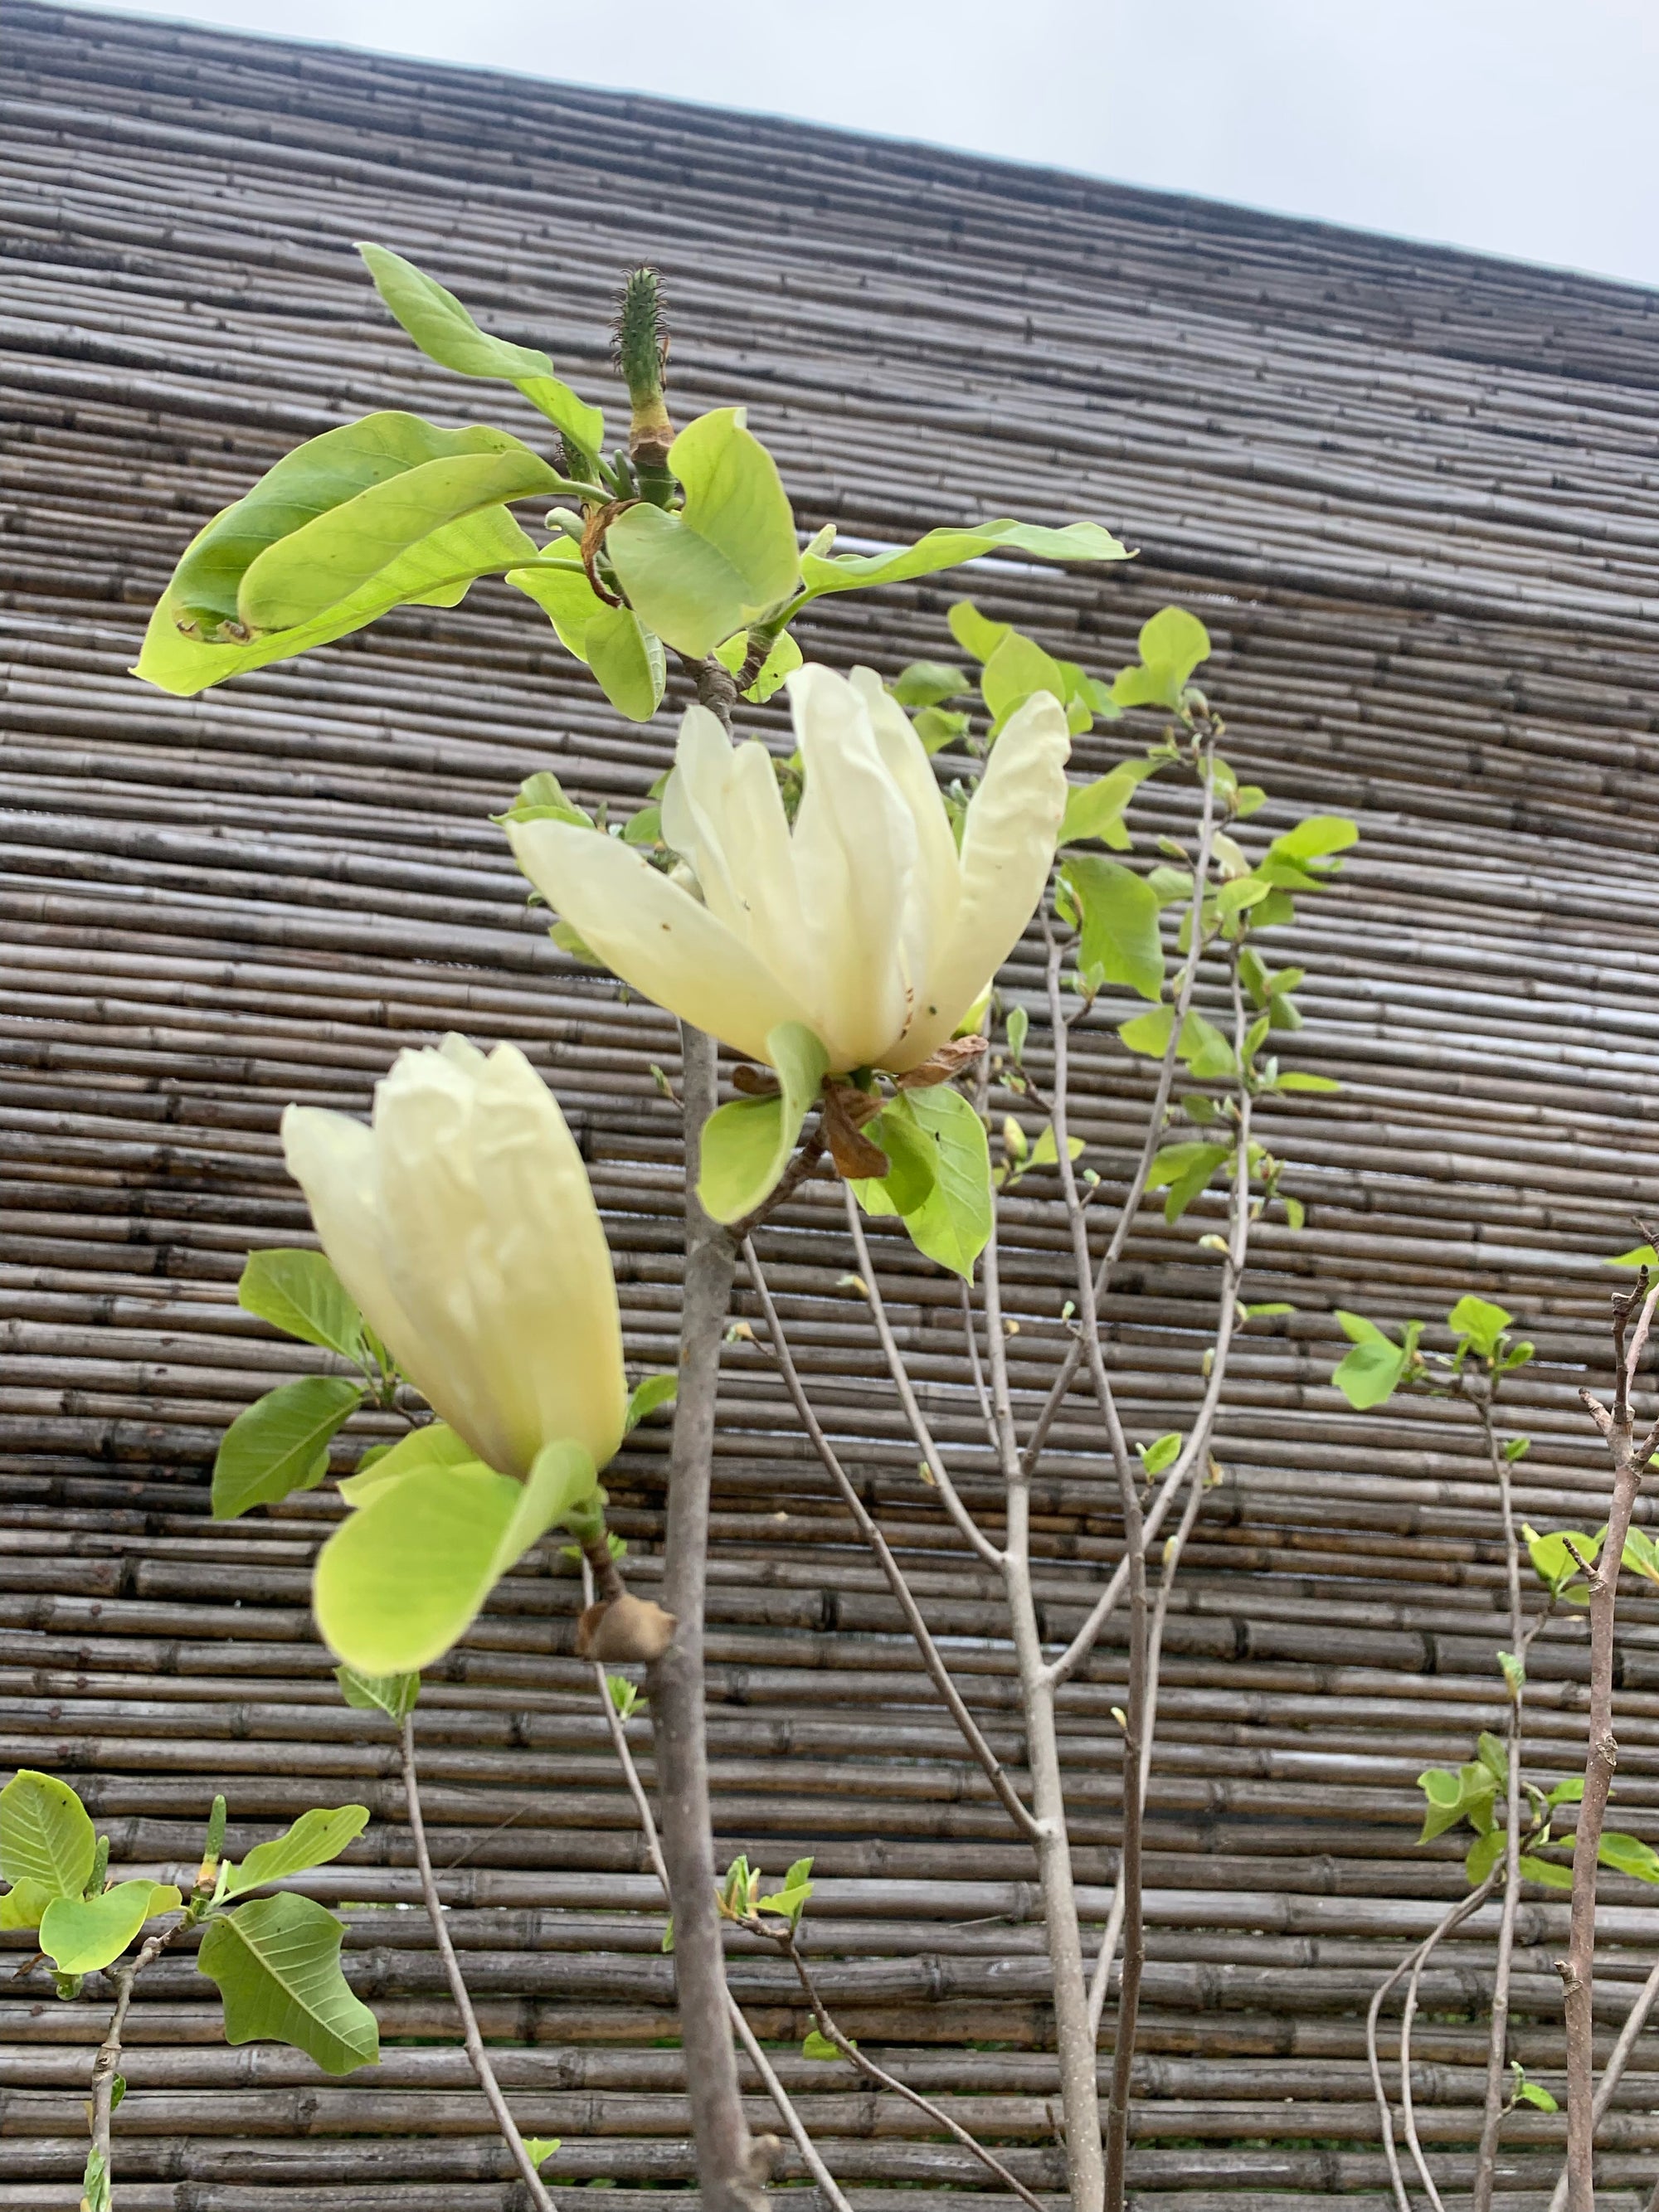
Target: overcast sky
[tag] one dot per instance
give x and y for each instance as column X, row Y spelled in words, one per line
column 1522, row 127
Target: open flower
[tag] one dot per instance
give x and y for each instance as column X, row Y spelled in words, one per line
column 463, row 1225
column 864, row 923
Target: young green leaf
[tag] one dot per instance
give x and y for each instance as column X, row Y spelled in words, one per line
column 952, row 1225
column 1372, row 1372
column 299, row 1294
column 1480, row 1321
column 1121, row 940
column 1629, row 1855
column 24, row 1904
column 394, row 1695
column 83, row 1935
column 655, row 1391
column 1203, row 1048
column 1098, row 809
column 727, row 556
column 280, row 1443
column 1016, row 670
column 276, row 1963
column 446, row 333
column 312, row 1840
column 1162, row 1452
column 539, row 2149
column 1171, row 645
column 406, row 1575
column 819, row 2046
column 949, row 549
column 1184, row 1170
column 928, row 683
column 746, row 1144
column 45, row 1835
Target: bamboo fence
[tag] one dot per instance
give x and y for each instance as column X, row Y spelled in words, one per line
column 1411, row 493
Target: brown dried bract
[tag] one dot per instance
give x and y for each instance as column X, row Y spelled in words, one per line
column 754, row 1082
column 624, row 1628
column 846, row 1109
column 939, row 1067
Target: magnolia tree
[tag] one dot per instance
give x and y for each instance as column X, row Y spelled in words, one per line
column 835, row 917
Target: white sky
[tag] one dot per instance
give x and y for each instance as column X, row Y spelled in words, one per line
column 1522, row 127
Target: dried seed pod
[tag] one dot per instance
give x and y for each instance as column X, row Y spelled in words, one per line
column 624, row 1628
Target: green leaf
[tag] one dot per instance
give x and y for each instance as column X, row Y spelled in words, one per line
column 539, row 2149
column 912, row 1154
column 433, row 1444
column 45, row 1834
column 276, row 1963
column 953, row 1226
column 1120, row 942
column 1184, row 1170
column 1358, row 1330
column 1494, row 1756
column 1641, row 1255
column 1484, row 1854
column 1481, row 1323
column 1567, row 1793
column 23, row 1904
column 928, row 683
column 446, row 333
column 1162, row 1452
column 729, row 555
column 949, row 549
column 785, row 655
column 1097, row 809
column 332, row 514
column 280, row 1443
column 299, row 1294
column 819, row 2046
column 1628, row 1855
column 1315, row 838
column 975, row 633
column 1045, row 1153
column 655, row 1391
column 628, row 662
column 746, row 1144
column 1642, row 1554
column 1295, row 1079
column 437, row 572
column 1016, row 670
column 1552, row 1563
column 1171, row 645
column 1545, row 1871
column 1370, row 1374
column 83, row 1935
column 312, row 1840
column 938, row 726
column 1202, row 1047
column 406, row 1575
column 1534, row 2093
column 394, row 1695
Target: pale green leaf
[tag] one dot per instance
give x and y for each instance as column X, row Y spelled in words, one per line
column 1171, row 645
column 645, row 1397
column 1120, row 942
column 785, row 655
column 728, row 557
column 1202, row 1047
column 394, row 1695
column 819, row 2046
column 976, row 633
column 628, row 662
column 433, row 1444
column 280, row 1443
column 276, row 1962
column 83, row 1935
column 539, row 2149
column 45, row 1834
column 1097, row 809
column 1482, row 1323
column 312, row 1840
column 1484, row 1854
column 406, row 1575
column 1162, row 1452
column 1546, row 1871
column 949, row 549
column 446, row 333
column 1370, row 1374
column 928, row 683
column 746, row 1144
column 437, row 572
column 1018, row 669
column 1183, row 1170
column 1316, row 839
column 23, row 1904
column 952, row 1225
column 1629, row 1855
column 299, row 1294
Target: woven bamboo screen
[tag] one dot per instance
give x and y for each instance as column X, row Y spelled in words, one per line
column 1411, row 493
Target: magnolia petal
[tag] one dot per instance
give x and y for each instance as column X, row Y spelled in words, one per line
column 1007, row 850
column 855, row 850
column 931, row 911
column 723, row 812
column 654, row 934
column 331, row 1157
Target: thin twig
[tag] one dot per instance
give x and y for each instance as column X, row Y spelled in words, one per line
column 871, row 1534
column 976, row 1366
column 1613, row 2073
column 967, row 1526
column 757, row 2058
column 100, row 2108
column 785, row 1939
column 478, row 2057
column 1454, row 1918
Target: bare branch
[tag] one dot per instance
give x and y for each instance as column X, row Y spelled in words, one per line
column 871, row 1534
column 478, row 2056
column 967, row 1526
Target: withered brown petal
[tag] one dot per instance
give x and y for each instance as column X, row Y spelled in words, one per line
column 754, row 1082
column 858, row 1159
column 939, row 1067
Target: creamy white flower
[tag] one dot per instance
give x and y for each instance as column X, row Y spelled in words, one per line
column 463, row 1225
column 864, row 922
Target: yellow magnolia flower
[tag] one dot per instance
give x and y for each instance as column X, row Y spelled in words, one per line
column 463, row 1225
column 864, row 922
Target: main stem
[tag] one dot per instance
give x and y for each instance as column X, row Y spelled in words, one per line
column 1486, row 2164
column 478, row 2057
column 726, row 2153
column 1074, row 2039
